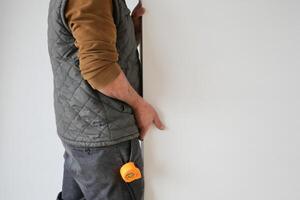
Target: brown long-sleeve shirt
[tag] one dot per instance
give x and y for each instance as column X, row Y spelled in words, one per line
column 92, row 25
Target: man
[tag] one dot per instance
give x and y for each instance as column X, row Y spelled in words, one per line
column 99, row 111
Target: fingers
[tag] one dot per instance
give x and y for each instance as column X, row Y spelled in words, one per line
column 140, row 138
column 143, row 132
column 144, row 127
column 138, row 11
column 158, row 122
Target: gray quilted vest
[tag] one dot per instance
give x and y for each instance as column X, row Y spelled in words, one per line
column 84, row 116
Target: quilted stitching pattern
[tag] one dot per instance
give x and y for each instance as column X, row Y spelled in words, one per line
column 84, row 116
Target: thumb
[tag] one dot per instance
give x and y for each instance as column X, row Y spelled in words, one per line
column 158, row 122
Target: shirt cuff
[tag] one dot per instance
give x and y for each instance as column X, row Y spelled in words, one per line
column 105, row 77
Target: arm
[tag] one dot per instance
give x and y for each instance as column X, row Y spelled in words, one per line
column 121, row 89
column 92, row 25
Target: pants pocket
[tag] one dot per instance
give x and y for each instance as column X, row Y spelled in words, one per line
column 132, row 153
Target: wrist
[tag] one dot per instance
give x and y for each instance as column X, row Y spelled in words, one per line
column 137, row 102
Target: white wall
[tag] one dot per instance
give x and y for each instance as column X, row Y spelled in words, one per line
column 31, row 155
column 30, row 152
column 224, row 76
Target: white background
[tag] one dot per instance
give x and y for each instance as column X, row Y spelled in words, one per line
column 224, row 75
column 31, row 155
column 30, row 152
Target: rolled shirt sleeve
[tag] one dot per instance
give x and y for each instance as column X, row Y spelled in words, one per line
column 92, row 26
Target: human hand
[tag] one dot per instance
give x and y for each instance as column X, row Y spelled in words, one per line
column 136, row 16
column 145, row 116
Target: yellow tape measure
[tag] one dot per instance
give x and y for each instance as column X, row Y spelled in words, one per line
column 129, row 171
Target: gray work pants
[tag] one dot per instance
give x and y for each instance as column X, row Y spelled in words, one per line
column 94, row 173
